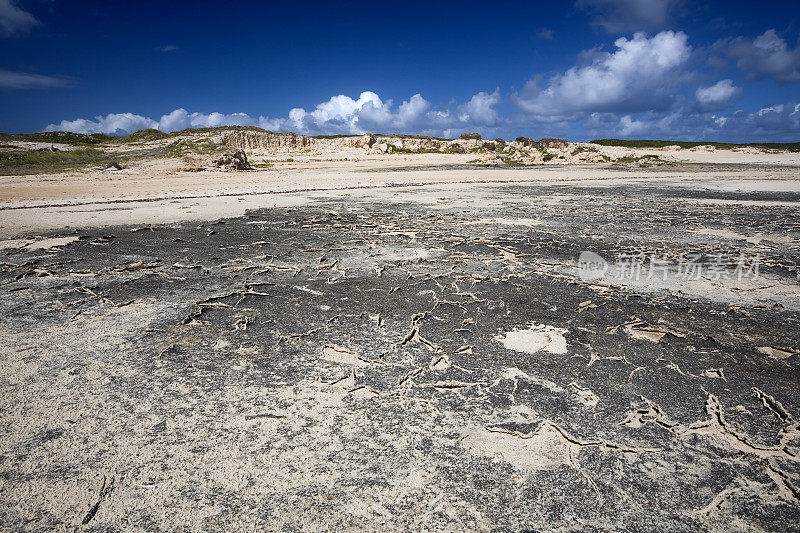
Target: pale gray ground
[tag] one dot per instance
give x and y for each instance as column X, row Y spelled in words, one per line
column 421, row 357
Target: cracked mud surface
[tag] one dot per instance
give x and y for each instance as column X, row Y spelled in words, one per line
column 373, row 362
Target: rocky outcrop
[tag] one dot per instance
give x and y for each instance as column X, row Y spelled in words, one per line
column 552, row 142
column 547, row 142
column 367, row 141
column 373, row 144
column 381, row 148
column 522, row 151
column 233, row 161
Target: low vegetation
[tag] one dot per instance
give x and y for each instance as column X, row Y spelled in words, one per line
column 47, row 162
column 146, row 135
column 508, row 160
column 647, row 158
column 155, row 135
column 53, row 137
column 183, row 148
column 405, row 150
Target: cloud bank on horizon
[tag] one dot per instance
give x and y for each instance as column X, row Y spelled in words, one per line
column 339, row 115
column 651, row 82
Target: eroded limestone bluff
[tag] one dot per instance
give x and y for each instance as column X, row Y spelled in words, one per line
column 379, row 144
column 265, row 140
column 250, row 140
column 522, row 151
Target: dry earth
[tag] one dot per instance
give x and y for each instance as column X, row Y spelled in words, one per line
column 392, row 344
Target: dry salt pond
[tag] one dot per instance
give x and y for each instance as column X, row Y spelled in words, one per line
column 371, row 363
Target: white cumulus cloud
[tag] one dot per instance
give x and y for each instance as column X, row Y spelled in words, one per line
column 369, row 113
column 339, row 115
column 717, row 96
column 635, row 77
column 181, row 119
column 480, row 109
column 113, row 123
column 125, row 123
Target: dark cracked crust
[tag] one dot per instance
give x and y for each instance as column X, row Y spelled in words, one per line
column 341, row 366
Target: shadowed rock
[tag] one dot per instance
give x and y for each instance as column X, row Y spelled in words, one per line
column 234, row 161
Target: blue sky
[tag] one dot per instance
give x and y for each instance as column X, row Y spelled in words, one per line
column 667, row 69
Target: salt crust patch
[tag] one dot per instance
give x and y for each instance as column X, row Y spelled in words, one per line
column 537, row 338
